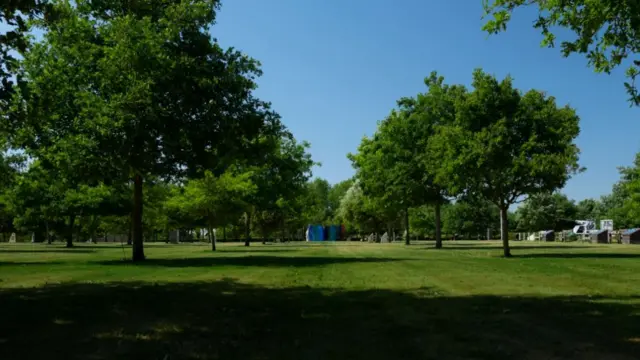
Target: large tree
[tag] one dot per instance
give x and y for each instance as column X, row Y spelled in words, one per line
column 505, row 145
column 396, row 165
column 606, row 31
column 138, row 90
column 281, row 177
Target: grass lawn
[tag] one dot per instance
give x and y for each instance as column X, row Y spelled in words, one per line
column 321, row 301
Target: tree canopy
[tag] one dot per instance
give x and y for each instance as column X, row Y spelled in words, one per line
column 606, row 31
column 505, row 144
column 123, row 92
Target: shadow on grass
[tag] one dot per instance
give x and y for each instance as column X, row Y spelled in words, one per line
column 29, row 263
column 228, row 320
column 254, row 249
column 499, row 247
column 45, row 250
column 579, row 256
column 248, row 261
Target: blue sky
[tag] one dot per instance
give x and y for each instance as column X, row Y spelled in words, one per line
column 333, row 68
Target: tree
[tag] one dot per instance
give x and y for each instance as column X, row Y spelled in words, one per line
column 336, row 193
column 214, row 198
column 547, row 212
column 504, row 145
column 14, row 14
column 622, row 204
column 471, row 217
column 317, row 201
column 358, row 212
column 282, row 174
column 589, row 209
column 148, row 91
column 606, row 30
column 396, row 165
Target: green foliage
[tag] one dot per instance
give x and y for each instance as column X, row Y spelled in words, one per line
column 622, row 204
column 547, row 212
column 606, row 31
column 316, row 201
column 216, row 198
column 119, row 91
column 396, row 166
column 358, row 212
column 589, row 209
column 14, row 15
column 470, row 218
column 336, row 193
column 281, row 179
column 504, row 145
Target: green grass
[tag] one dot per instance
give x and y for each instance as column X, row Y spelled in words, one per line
column 321, row 301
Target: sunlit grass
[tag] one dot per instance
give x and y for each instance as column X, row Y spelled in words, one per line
column 310, row 300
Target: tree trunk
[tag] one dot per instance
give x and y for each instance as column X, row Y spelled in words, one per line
column 504, row 230
column 407, row 238
column 79, row 228
column 130, row 233
column 247, row 229
column 224, row 233
column 136, row 219
column 212, row 238
column 92, row 228
column 438, row 227
column 283, row 230
column 46, row 225
column 72, row 220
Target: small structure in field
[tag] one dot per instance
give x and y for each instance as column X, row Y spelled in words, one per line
column 547, row 235
column 631, row 236
column 600, row 236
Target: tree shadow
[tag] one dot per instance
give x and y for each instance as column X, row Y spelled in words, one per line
column 579, row 256
column 499, row 247
column 255, row 249
column 117, row 245
column 229, row 320
column 44, row 250
column 29, row 263
column 266, row 261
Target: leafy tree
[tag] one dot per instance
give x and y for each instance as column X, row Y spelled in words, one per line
column 471, row 217
column 383, row 198
column 358, row 212
column 606, row 30
column 589, row 209
column 11, row 165
column 336, row 193
column 613, row 206
column 215, row 197
column 317, row 201
column 396, row 165
column 281, row 175
column 148, row 91
column 546, row 212
column 504, row 145
column 14, row 14
column 622, row 204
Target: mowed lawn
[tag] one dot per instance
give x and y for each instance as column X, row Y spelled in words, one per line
column 321, row 301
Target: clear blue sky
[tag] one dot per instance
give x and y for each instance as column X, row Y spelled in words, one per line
column 333, row 68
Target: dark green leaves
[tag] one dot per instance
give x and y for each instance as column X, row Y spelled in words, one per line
column 606, row 31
